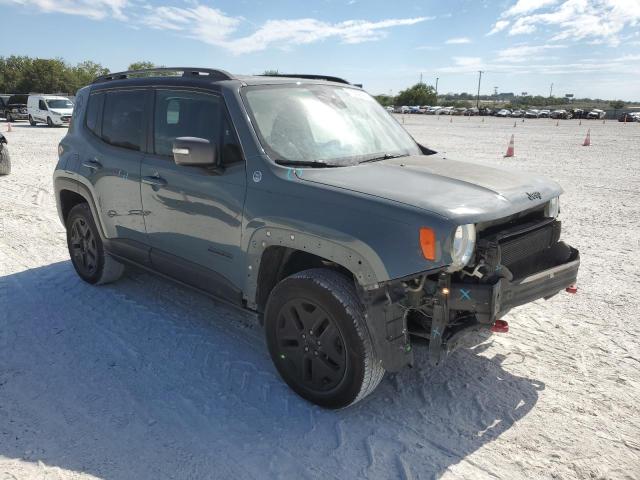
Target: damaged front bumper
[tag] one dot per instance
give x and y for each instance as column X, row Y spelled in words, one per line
column 451, row 308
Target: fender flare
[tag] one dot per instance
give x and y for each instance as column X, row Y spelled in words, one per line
column 368, row 272
column 65, row 183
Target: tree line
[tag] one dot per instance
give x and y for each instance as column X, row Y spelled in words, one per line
column 23, row 74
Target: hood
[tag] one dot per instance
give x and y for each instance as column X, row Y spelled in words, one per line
column 62, row 111
column 460, row 191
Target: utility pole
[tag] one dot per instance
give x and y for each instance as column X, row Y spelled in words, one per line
column 437, row 78
column 420, row 78
column 478, row 96
column 551, row 90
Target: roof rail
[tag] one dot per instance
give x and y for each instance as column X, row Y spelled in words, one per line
column 186, row 72
column 328, row 78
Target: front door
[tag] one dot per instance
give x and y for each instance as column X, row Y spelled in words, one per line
column 193, row 216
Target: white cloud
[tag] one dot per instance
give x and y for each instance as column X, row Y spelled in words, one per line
column 527, row 6
column 94, row 9
column 308, row 30
column 600, row 21
column 524, row 52
column 498, row 26
column 458, row 41
column 212, row 26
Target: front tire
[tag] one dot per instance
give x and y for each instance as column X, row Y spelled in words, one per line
column 318, row 339
column 86, row 250
column 32, row 122
column 5, row 160
column 49, row 122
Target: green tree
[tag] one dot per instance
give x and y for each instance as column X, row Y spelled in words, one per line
column 270, row 72
column 617, row 105
column 84, row 73
column 419, row 94
column 384, row 100
column 142, row 65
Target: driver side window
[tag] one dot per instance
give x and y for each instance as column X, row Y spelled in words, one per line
column 42, row 105
column 180, row 113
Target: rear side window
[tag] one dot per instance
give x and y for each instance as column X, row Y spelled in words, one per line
column 193, row 114
column 93, row 112
column 122, row 120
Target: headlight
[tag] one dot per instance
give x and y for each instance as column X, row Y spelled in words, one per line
column 56, row 113
column 464, row 241
column 552, row 208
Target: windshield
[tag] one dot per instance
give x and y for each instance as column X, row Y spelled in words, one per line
column 325, row 124
column 59, row 103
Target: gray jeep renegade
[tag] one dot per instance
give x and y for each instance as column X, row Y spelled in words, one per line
column 301, row 199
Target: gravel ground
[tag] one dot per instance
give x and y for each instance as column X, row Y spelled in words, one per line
column 144, row 379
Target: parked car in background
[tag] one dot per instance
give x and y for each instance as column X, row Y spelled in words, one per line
column 471, row 112
column 53, row 110
column 577, row 113
column 5, row 161
column 402, row 109
column 444, row 111
column 544, row 113
column 561, row 114
column 486, row 111
column 503, row 113
column 3, row 103
column 390, row 109
column 458, row 111
column 596, row 114
column 532, row 113
column 433, row 110
column 629, row 117
column 517, row 113
column 16, row 108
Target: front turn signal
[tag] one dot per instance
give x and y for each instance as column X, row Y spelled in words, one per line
column 428, row 243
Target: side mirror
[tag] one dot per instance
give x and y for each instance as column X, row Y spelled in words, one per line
column 193, row 151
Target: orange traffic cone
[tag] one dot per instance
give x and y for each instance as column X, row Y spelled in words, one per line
column 587, row 139
column 580, row 123
column 451, row 120
column 514, row 124
column 9, row 127
column 557, row 123
column 482, row 119
column 510, row 149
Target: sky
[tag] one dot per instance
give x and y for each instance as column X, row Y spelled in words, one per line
column 589, row 48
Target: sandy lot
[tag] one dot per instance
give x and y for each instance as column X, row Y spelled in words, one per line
column 144, row 379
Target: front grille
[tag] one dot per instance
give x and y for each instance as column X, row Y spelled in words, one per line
column 516, row 249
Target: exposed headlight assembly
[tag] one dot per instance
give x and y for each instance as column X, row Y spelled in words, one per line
column 552, row 208
column 464, row 241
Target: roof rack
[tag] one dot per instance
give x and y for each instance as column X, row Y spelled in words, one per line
column 186, row 72
column 328, row 78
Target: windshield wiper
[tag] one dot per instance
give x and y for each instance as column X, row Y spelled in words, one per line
column 305, row 163
column 386, row 156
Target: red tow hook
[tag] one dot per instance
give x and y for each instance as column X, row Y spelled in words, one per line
column 572, row 289
column 500, row 326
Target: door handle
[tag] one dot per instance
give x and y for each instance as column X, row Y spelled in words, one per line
column 92, row 164
column 155, row 181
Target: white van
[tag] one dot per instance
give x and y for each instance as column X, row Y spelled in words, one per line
column 49, row 109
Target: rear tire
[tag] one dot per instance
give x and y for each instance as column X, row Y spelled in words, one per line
column 32, row 122
column 49, row 122
column 318, row 339
column 5, row 161
column 86, row 250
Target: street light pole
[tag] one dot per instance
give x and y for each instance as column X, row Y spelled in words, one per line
column 478, row 96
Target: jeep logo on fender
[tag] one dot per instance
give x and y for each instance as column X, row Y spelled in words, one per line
column 534, row 195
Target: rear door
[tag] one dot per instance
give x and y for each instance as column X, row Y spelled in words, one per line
column 193, row 215
column 111, row 162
